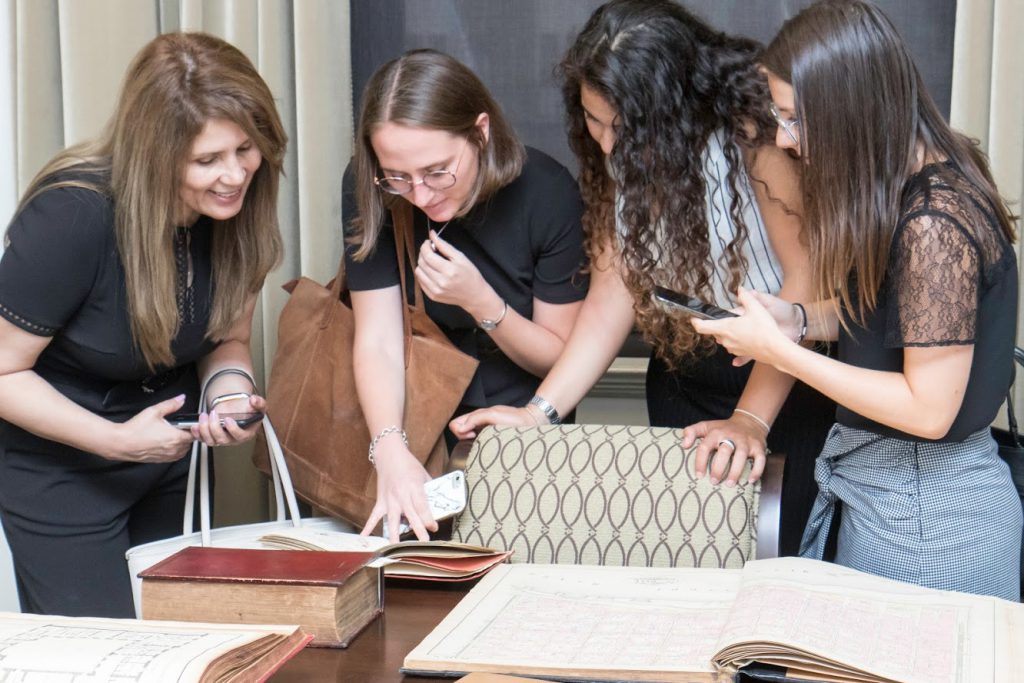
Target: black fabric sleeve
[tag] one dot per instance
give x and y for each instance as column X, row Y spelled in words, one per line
column 934, row 277
column 380, row 269
column 557, row 234
column 51, row 261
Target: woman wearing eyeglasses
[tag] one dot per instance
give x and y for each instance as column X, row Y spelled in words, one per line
column 683, row 189
column 499, row 262
column 914, row 267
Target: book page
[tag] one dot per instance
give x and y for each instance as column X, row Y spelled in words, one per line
column 314, row 539
column 890, row 629
column 124, row 650
column 586, row 620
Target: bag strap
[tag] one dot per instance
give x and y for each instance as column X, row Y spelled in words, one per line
column 1011, row 415
column 401, row 217
column 284, row 491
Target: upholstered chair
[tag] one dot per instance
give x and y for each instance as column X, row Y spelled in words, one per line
column 610, row 495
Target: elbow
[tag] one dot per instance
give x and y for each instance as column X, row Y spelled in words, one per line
column 931, row 428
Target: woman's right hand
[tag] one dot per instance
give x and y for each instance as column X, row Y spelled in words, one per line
column 400, row 480
column 466, row 426
column 148, row 437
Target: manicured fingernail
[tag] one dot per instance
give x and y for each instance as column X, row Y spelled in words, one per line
column 729, row 483
column 180, row 398
column 714, row 481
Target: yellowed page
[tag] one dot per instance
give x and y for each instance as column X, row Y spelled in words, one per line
column 302, row 538
column 890, row 629
column 596, row 622
column 84, row 650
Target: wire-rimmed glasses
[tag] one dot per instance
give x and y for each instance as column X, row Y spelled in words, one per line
column 436, row 180
column 787, row 125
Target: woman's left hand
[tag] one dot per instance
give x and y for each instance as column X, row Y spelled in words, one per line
column 214, row 429
column 725, row 447
column 447, row 276
column 754, row 334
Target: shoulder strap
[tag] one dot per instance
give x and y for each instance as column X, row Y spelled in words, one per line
column 401, row 217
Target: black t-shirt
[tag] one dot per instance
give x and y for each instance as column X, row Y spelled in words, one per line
column 61, row 276
column 526, row 241
column 952, row 279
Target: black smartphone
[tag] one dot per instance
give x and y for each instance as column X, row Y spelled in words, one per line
column 695, row 307
column 186, row 420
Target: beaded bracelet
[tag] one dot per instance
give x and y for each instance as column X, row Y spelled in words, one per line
column 393, row 429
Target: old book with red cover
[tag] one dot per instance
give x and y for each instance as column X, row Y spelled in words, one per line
column 333, row 595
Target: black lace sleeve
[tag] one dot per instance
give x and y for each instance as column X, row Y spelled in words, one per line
column 933, row 282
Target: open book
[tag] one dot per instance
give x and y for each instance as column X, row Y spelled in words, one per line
column 72, row 649
column 431, row 560
column 817, row 620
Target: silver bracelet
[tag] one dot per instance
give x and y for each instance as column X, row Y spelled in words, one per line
column 393, row 429
column 803, row 324
column 755, row 418
column 546, row 408
column 224, row 398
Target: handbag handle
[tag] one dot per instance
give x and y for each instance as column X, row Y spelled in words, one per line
column 401, row 217
column 284, row 491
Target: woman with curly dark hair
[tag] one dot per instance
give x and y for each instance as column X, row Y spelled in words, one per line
column 683, row 188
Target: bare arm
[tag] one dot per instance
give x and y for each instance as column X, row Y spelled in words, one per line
column 604, row 323
column 30, row 402
column 776, row 188
column 922, row 400
column 379, row 364
column 232, row 352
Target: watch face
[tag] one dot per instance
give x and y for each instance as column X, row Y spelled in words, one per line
column 488, row 325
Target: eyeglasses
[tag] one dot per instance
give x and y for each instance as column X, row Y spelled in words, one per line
column 435, row 180
column 787, row 125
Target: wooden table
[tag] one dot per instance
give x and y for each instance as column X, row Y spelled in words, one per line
column 411, row 611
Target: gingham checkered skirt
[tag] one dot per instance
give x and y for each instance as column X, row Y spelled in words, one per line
column 942, row 515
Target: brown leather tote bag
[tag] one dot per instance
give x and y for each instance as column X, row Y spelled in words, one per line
column 311, row 395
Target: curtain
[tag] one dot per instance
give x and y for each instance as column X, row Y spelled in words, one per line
column 61, row 65
column 988, row 100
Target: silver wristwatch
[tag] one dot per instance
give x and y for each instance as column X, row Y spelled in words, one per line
column 488, row 324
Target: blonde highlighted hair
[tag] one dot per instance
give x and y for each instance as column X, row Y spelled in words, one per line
column 175, row 84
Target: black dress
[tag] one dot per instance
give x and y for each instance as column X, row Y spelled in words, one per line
column 526, row 241
column 69, row 515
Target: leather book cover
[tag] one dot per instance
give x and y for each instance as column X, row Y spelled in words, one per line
column 243, row 565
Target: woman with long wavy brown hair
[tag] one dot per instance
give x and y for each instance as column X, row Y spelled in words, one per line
column 916, row 277
column 682, row 188
column 131, row 273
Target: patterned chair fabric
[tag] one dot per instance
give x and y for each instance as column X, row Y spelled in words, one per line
column 603, row 494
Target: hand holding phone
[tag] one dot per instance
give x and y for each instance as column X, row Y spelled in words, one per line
column 446, row 497
column 690, row 305
column 189, row 420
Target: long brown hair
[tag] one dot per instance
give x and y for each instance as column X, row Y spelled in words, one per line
column 865, row 119
column 429, row 89
column 175, row 84
column 674, row 82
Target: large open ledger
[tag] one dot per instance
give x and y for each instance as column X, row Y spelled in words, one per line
column 79, row 649
column 818, row 620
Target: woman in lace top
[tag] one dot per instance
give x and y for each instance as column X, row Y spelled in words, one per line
column 913, row 262
column 131, row 273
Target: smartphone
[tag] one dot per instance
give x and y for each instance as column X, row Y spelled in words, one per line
column 446, row 497
column 695, row 307
column 186, row 420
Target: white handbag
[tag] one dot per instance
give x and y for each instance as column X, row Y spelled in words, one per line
column 141, row 557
